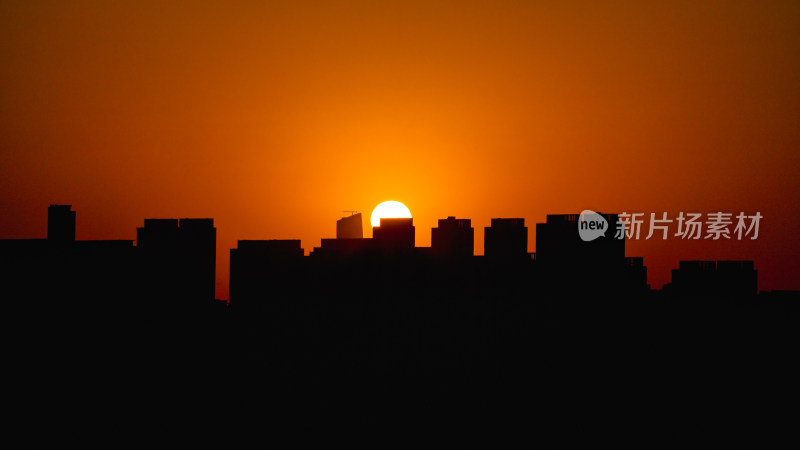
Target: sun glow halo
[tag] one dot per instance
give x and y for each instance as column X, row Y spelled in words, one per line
column 389, row 210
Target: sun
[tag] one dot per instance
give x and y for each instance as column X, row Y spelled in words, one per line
column 389, row 210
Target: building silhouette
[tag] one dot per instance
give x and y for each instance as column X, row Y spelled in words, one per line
column 158, row 236
column 350, row 227
column 506, row 239
column 568, row 262
column 268, row 291
column 70, row 300
column 41, row 272
column 558, row 242
column 178, row 258
column 453, row 238
column 198, row 243
column 394, row 235
column 264, row 270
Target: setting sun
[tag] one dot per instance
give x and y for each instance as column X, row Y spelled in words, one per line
column 389, row 210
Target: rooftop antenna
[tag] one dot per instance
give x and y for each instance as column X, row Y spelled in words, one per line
column 352, row 213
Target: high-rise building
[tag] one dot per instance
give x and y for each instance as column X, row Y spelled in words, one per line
column 198, row 245
column 396, row 234
column 180, row 258
column 350, row 227
column 568, row 262
column 60, row 223
column 158, row 235
column 68, row 280
column 558, row 242
column 506, row 238
column 265, row 270
column 453, row 238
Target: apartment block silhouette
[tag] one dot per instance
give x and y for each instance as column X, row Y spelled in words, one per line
column 453, row 238
column 506, row 238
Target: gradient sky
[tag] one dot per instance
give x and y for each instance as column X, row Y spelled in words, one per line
column 275, row 117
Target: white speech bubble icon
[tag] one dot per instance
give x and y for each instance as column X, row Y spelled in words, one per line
column 591, row 225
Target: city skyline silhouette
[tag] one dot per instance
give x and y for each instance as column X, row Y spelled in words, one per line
column 61, row 227
column 379, row 324
column 425, row 237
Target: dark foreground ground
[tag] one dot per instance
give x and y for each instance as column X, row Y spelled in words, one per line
column 494, row 358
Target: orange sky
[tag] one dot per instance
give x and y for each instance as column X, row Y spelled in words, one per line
column 274, row 117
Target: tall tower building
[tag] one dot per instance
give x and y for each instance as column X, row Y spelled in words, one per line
column 350, row 227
